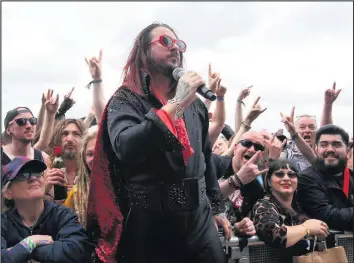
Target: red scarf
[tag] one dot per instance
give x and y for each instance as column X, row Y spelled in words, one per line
column 346, row 182
column 104, row 217
column 178, row 128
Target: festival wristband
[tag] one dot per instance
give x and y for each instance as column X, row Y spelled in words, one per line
column 28, row 244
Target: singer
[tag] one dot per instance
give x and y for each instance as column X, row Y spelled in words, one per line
column 153, row 187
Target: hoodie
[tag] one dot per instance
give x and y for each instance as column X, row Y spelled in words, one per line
column 71, row 243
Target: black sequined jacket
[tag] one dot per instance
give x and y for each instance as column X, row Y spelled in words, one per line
column 149, row 154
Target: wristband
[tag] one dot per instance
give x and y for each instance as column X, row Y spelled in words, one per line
column 241, row 101
column 308, row 232
column 93, row 81
column 238, row 180
column 28, row 244
column 220, row 98
column 232, row 183
column 246, row 126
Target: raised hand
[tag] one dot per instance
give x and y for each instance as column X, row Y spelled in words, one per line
column 68, row 95
column 43, row 98
column 289, row 121
column 213, row 79
column 254, row 112
column 220, row 89
column 244, row 93
column 275, row 147
column 95, row 66
column 331, row 94
column 51, row 103
column 249, row 171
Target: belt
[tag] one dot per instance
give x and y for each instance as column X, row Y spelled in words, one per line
column 182, row 195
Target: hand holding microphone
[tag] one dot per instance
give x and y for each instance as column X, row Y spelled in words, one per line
column 202, row 89
column 188, row 84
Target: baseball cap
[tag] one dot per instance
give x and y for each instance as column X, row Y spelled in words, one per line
column 12, row 169
column 10, row 115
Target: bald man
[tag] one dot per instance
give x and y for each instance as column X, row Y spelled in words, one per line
column 240, row 187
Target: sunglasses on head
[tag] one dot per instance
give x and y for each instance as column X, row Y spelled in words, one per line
column 168, row 42
column 291, row 175
column 26, row 176
column 305, row 115
column 23, row 121
column 248, row 144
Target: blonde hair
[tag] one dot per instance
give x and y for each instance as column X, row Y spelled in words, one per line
column 6, row 204
column 83, row 181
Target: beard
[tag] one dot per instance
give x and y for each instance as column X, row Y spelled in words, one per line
column 69, row 155
column 165, row 69
column 23, row 139
column 332, row 169
column 159, row 67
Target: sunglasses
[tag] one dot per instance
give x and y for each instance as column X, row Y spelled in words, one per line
column 26, row 176
column 248, row 144
column 305, row 115
column 168, row 42
column 23, row 121
column 291, row 175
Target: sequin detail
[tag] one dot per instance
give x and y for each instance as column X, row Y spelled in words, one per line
column 104, row 219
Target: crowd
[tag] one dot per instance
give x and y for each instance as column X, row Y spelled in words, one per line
column 283, row 189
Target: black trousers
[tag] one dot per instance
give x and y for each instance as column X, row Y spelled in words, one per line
column 170, row 237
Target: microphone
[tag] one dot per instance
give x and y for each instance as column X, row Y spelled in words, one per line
column 202, row 90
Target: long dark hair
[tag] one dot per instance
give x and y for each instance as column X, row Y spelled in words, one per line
column 138, row 58
column 295, row 210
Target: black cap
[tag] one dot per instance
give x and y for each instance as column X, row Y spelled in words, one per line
column 10, row 115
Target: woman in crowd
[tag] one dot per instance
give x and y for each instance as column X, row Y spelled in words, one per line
column 78, row 195
column 35, row 229
column 277, row 217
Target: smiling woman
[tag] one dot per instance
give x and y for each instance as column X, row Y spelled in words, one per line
column 277, row 217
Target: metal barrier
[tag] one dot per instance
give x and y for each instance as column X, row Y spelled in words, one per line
column 257, row 252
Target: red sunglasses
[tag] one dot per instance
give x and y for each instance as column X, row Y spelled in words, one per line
column 168, row 42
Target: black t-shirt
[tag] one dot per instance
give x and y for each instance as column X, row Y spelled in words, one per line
column 6, row 159
column 223, row 165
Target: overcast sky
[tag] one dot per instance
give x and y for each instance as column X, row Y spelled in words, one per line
column 290, row 52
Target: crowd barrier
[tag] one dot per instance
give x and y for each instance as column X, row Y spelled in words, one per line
column 252, row 250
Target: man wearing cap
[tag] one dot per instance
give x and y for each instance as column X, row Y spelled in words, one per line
column 35, row 229
column 20, row 125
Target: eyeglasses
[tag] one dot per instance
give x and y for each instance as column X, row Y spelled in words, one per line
column 23, row 121
column 248, row 144
column 168, row 42
column 26, row 176
column 291, row 175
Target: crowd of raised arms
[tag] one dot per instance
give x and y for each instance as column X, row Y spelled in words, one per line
column 154, row 174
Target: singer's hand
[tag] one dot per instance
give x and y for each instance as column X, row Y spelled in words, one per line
column 187, row 87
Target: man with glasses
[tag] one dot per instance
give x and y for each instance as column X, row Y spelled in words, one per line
column 153, row 156
column 20, row 129
column 239, row 184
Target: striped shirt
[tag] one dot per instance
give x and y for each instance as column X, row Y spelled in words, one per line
column 295, row 157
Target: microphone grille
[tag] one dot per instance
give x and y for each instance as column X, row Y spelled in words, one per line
column 177, row 73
